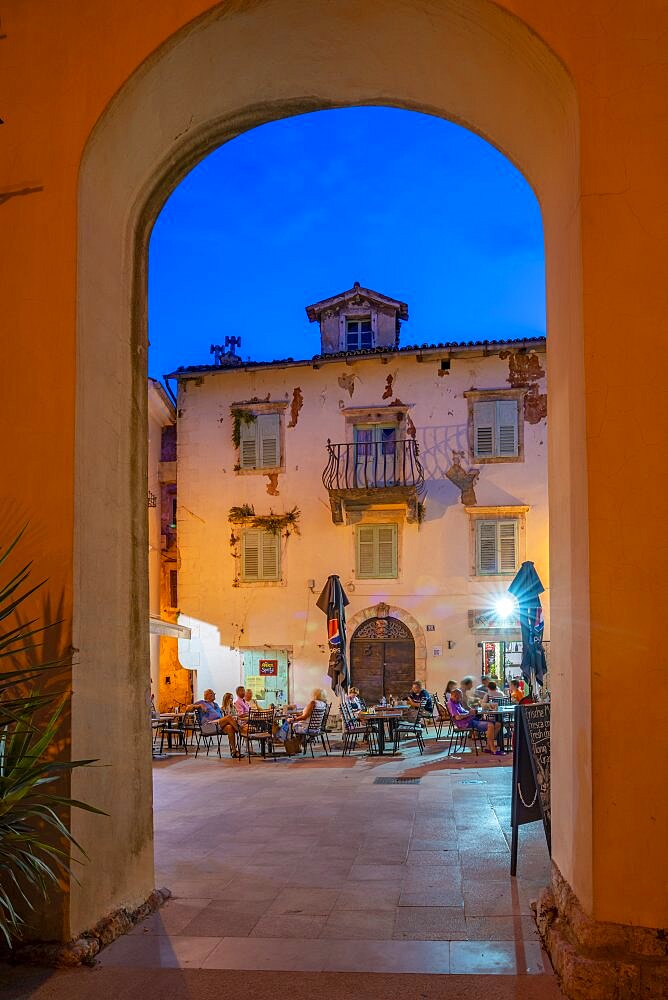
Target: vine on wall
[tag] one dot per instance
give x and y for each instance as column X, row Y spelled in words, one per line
column 240, row 417
column 275, row 524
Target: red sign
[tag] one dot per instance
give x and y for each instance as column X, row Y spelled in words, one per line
column 268, row 668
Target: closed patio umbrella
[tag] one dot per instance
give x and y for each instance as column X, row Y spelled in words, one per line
column 526, row 588
column 332, row 602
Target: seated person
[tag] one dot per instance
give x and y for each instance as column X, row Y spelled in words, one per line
column 419, row 697
column 481, row 689
column 355, row 700
column 241, row 706
column 516, row 692
column 241, row 709
column 213, row 720
column 300, row 722
column 469, row 698
column 250, row 701
column 463, row 718
column 449, row 687
column 493, row 695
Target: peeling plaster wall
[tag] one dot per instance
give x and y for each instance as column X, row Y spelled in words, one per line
column 435, row 585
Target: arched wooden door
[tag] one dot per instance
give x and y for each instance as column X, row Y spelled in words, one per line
column 382, row 659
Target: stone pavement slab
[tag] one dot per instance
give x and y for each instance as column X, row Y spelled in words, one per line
column 407, row 883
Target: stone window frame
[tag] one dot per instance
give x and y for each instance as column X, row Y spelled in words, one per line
column 257, row 408
column 516, row 512
column 492, row 396
column 365, row 311
column 381, row 414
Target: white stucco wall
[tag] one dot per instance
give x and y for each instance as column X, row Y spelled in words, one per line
column 435, row 585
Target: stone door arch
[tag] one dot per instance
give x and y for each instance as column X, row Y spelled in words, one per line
column 231, row 70
column 382, row 659
column 412, row 625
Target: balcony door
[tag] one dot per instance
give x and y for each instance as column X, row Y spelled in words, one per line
column 382, row 659
column 375, row 455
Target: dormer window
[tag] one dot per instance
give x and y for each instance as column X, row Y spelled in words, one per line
column 358, row 320
column 358, row 334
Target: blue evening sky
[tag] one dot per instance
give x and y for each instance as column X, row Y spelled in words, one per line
column 415, row 207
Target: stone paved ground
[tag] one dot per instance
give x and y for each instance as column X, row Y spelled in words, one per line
column 307, row 866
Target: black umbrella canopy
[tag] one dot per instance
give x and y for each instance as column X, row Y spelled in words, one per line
column 526, row 587
column 332, row 602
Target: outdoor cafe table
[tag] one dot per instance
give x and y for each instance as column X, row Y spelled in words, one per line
column 499, row 713
column 378, row 718
column 170, row 723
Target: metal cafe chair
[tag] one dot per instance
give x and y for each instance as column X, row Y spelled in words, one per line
column 313, row 731
column 459, row 737
column 258, row 727
column 410, row 729
column 442, row 720
column 202, row 738
column 324, row 735
column 353, row 729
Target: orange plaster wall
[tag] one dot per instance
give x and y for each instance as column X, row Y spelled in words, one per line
column 61, row 64
column 617, row 54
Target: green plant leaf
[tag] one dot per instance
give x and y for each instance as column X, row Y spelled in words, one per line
column 36, row 843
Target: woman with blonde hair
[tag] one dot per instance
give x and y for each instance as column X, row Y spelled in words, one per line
column 300, row 723
column 318, row 701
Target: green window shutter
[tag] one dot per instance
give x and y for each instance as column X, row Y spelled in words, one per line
column 377, row 551
column 386, row 536
column 248, row 445
column 269, row 430
column 260, row 556
column 486, row 547
column 484, row 414
column 507, row 546
column 270, row 556
column 365, row 552
column 250, row 556
column 506, row 428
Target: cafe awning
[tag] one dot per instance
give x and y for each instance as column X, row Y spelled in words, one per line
column 158, row 626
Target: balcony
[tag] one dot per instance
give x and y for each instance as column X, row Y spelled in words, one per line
column 379, row 472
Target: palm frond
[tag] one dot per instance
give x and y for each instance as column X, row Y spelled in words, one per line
column 36, row 843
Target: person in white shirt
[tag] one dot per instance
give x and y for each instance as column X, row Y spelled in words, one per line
column 493, row 696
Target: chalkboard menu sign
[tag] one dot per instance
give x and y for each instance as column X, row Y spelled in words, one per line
column 531, row 773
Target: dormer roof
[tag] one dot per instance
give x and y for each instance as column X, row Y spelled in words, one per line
column 356, row 296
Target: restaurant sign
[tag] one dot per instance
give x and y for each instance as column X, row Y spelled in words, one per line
column 483, row 619
column 268, row 668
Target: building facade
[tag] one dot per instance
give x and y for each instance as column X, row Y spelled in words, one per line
column 170, row 683
column 416, row 474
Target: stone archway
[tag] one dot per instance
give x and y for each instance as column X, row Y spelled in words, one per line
column 391, row 611
column 236, row 68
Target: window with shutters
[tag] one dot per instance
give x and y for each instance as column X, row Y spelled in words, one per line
column 497, row 544
column 260, row 556
column 260, row 442
column 376, row 551
column 496, row 427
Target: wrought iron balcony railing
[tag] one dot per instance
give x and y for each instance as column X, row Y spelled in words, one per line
column 375, row 465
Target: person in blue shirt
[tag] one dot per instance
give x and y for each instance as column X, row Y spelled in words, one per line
column 419, row 697
column 213, row 720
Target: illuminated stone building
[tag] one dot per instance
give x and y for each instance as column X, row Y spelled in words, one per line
column 419, row 475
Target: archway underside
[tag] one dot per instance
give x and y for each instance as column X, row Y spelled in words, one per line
column 465, row 60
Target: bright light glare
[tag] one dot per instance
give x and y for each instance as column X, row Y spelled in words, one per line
column 504, row 607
